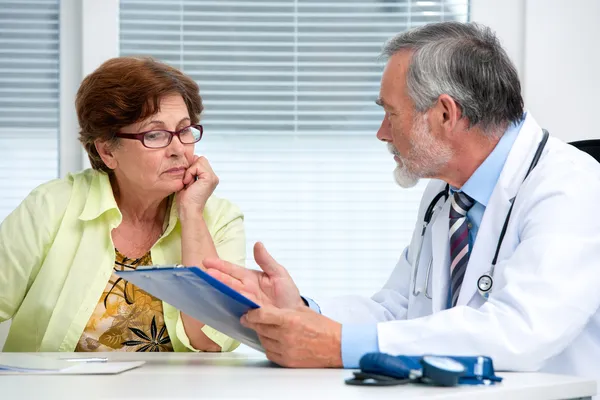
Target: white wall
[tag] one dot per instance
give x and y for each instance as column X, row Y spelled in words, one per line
column 563, row 65
column 507, row 19
column 554, row 44
column 89, row 31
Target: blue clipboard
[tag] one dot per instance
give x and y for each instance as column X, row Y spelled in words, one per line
column 193, row 291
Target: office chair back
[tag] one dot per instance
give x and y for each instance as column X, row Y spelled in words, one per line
column 592, row 147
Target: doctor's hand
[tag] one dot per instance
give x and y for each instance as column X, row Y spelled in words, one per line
column 273, row 286
column 298, row 338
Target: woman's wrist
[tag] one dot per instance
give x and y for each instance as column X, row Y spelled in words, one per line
column 191, row 213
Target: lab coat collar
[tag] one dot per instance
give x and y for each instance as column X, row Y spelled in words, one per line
column 509, row 182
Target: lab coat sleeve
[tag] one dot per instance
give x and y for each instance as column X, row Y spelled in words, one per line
column 549, row 287
column 391, row 302
column 387, row 304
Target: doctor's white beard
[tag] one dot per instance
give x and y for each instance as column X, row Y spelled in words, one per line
column 425, row 158
column 404, row 177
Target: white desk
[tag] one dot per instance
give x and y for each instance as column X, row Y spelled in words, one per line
column 251, row 376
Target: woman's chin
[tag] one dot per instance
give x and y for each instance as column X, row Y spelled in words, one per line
column 173, row 186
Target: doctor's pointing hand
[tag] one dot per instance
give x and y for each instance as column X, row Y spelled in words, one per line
column 292, row 334
column 504, row 257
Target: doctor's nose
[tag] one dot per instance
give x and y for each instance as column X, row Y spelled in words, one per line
column 384, row 133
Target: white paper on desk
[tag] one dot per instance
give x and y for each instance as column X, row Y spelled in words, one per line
column 20, row 364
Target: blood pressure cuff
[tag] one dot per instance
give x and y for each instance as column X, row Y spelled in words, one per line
column 381, row 369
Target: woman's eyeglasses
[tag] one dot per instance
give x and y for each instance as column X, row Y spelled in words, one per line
column 156, row 139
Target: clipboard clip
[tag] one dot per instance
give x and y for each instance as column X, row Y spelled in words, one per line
column 158, row 266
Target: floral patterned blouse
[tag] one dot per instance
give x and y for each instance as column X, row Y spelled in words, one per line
column 126, row 318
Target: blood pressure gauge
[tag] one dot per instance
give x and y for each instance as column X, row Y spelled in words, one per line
column 441, row 371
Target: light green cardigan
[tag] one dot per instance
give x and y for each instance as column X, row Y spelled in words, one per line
column 56, row 256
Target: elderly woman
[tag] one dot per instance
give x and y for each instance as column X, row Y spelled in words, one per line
column 146, row 200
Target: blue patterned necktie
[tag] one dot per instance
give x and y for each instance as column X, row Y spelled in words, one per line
column 459, row 241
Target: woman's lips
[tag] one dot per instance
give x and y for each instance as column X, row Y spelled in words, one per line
column 176, row 171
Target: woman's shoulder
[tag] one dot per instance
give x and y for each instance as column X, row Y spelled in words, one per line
column 220, row 211
column 58, row 192
column 61, row 187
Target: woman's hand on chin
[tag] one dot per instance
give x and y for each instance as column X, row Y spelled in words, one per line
column 199, row 182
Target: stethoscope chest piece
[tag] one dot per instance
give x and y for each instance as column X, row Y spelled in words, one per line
column 484, row 284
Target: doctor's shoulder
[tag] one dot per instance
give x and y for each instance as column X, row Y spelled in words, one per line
column 565, row 165
column 565, row 177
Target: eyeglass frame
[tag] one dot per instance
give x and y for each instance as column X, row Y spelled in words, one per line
column 140, row 136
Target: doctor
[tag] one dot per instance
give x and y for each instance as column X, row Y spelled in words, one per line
column 454, row 113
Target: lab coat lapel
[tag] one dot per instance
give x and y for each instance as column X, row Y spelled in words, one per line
column 482, row 254
column 508, row 185
column 440, row 275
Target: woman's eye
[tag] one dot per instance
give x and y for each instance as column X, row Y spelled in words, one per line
column 158, row 135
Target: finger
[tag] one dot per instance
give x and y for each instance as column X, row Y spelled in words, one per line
column 265, row 316
column 191, row 171
column 188, row 177
column 275, row 357
column 201, row 167
column 265, row 261
column 203, row 161
column 228, row 280
column 272, row 332
column 270, row 345
column 198, row 167
column 235, row 271
column 250, row 296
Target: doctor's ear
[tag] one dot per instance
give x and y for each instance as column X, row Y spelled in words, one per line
column 106, row 151
column 448, row 112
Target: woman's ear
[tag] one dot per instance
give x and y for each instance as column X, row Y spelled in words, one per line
column 106, row 152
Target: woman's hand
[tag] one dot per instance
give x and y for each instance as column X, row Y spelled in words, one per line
column 199, row 182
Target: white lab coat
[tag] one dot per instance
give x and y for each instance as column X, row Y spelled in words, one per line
column 543, row 312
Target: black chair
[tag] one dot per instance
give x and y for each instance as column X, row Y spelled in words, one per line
column 592, row 147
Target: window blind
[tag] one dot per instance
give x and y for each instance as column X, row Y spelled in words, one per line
column 290, row 123
column 29, row 98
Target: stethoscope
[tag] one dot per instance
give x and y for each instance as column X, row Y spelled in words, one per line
column 485, row 281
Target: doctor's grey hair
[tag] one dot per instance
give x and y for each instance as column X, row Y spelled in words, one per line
column 466, row 62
